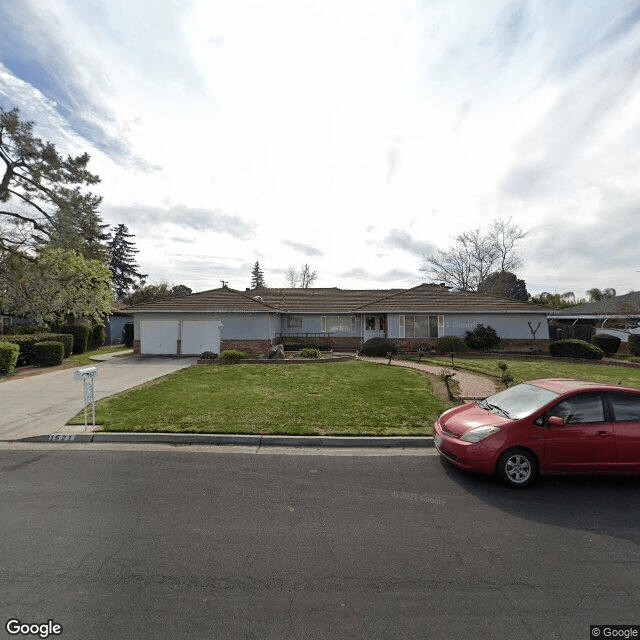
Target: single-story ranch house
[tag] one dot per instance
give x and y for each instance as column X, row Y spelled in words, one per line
column 254, row 320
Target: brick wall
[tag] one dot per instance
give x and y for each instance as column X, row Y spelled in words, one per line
column 254, row 347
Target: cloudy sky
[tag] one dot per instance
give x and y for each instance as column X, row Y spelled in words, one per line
column 353, row 135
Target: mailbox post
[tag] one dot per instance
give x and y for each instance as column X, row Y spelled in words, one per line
column 88, row 375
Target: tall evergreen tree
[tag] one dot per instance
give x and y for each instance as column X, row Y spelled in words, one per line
column 257, row 277
column 122, row 264
column 38, row 186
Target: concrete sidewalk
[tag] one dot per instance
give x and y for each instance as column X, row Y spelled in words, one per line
column 42, row 404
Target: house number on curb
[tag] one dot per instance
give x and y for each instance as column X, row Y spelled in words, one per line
column 62, row 437
column 88, row 375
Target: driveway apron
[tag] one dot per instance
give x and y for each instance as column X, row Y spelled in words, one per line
column 42, row 404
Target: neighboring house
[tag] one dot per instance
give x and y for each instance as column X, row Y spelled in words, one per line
column 114, row 326
column 619, row 316
column 254, row 320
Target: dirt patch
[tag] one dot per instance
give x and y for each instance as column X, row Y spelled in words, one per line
column 439, row 388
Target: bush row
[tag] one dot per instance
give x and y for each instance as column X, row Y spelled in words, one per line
column 26, row 343
column 9, row 352
column 573, row 348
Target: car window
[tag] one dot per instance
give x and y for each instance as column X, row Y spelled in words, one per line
column 626, row 406
column 583, row 408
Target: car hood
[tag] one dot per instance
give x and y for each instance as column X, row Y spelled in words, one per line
column 463, row 419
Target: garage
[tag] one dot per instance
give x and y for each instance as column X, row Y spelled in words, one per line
column 199, row 336
column 159, row 337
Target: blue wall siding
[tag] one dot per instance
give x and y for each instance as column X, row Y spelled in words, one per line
column 235, row 326
column 509, row 327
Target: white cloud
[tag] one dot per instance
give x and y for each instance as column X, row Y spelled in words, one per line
column 360, row 133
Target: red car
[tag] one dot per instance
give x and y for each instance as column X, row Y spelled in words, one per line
column 544, row 427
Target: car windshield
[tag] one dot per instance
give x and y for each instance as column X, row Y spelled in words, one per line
column 519, row 401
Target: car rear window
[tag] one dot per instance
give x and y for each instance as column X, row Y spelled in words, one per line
column 626, row 406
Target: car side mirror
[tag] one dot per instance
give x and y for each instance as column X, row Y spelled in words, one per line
column 555, row 421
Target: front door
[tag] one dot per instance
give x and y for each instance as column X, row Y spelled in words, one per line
column 375, row 326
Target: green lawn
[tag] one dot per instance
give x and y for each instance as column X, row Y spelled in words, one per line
column 532, row 369
column 343, row 398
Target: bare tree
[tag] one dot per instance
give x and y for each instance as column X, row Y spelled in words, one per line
column 307, row 277
column 291, row 276
column 476, row 254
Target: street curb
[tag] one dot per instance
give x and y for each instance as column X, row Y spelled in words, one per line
column 237, row 439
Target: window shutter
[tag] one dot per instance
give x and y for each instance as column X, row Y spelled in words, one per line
column 323, row 324
column 353, row 324
column 440, row 326
column 401, row 326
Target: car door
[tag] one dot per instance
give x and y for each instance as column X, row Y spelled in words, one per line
column 585, row 442
column 625, row 407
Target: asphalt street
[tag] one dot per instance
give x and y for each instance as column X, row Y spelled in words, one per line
column 207, row 542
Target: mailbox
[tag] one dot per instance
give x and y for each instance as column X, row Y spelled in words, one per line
column 87, row 372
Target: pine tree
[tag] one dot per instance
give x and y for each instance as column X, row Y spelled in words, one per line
column 123, row 267
column 257, row 277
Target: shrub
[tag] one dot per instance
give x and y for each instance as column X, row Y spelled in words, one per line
column 28, row 330
column 634, row 344
column 309, row 352
column 80, row 333
column 127, row 334
column 379, row 347
column 209, row 355
column 233, row 355
column 97, row 336
column 608, row 343
column 573, row 348
column 450, row 344
column 26, row 343
column 482, row 338
column 48, row 353
column 9, row 352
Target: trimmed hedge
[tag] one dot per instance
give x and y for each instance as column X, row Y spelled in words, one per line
column 80, row 333
column 28, row 330
column 573, row 348
column 233, row 355
column 308, row 352
column 9, row 352
column 97, row 336
column 450, row 344
column 379, row 347
column 49, row 353
column 634, row 344
column 25, row 342
column 608, row 343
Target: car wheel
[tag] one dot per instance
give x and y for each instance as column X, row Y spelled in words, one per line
column 518, row 468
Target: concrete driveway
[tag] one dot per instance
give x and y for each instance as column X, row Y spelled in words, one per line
column 41, row 405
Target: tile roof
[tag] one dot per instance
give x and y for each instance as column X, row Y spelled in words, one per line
column 320, row 300
column 222, row 300
column 433, row 298
column 425, row 298
column 628, row 304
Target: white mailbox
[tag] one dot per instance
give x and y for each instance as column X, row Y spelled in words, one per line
column 87, row 375
column 87, row 372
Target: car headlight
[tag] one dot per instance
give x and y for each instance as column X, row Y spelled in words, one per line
column 479, row 433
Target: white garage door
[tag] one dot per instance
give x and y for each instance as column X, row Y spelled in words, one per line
column 199, row 336
column 158, row 337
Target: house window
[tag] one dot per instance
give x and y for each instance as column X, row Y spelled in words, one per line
column 338, row 324
column 294, row 322
column 421, row 326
